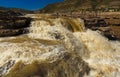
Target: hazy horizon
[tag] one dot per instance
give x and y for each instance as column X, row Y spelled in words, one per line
column 27, row 4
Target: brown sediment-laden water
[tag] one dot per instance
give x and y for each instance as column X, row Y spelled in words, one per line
column 59, row 47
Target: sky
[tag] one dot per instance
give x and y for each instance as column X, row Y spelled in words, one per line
column 27, row 4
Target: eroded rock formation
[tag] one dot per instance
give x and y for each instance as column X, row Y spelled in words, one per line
column 11, row 25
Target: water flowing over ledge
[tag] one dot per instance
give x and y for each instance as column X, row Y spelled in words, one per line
column 59, row 47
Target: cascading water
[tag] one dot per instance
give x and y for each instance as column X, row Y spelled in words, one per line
column 59, row 47
column 104, row 54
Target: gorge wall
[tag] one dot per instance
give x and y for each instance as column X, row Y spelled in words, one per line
column 78, row 5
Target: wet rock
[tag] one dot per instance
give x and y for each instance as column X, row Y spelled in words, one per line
column 13, row 32
column 14, row 22
column 4, row 69
column 10, row 26
column 104, row 26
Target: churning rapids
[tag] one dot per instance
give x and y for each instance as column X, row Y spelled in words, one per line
column 59, row 47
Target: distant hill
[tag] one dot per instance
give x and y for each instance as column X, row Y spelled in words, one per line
column 71, row 5
column 16, row 10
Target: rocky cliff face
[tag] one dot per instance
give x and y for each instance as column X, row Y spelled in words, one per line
column 11, row 24
column 16, row 10
column 72, row 5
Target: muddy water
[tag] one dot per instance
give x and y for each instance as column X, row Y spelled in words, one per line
column 59, row 47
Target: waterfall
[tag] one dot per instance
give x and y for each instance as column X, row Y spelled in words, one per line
column 104, row 54
column 59, row 47
column 39, row 26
